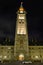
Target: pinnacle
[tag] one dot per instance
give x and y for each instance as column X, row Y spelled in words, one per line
column 21, row 4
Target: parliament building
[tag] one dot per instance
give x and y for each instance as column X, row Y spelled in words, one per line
column 21, row 50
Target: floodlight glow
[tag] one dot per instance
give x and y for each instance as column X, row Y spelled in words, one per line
column 36, row 56
column 21, row 57
column 21, row 11
column 5, row 57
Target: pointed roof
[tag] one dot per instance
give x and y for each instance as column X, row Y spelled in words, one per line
column 21, row 7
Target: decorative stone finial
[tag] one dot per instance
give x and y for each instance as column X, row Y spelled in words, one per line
column 21, row 4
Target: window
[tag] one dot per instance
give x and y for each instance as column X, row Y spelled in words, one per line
column 1, row 47
column 19, row 22
column 12, row 51
column 42, row 48
column 29, row 48
column 8, row 51
column 32, row 48
column 39, row 48
column 22, row 22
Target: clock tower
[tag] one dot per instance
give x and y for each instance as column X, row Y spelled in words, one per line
column 21, row 51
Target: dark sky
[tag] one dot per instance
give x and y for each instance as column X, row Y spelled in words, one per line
column 8, row 11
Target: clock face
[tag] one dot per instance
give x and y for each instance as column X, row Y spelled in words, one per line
column 21, row 17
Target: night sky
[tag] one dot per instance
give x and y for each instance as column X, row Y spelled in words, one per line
column 8, row 15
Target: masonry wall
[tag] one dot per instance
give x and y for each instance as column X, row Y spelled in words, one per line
column 7, row 53
column 36, row 52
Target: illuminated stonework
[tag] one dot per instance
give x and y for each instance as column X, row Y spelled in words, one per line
column 21, row 35
column 21, row 9
column 21, row 57
column 21, row 50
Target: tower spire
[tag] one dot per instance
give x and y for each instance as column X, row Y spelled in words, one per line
column 21, row 4
column 21, row 7
column 21, row 36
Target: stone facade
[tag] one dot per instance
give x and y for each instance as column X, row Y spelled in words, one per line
column 21, row 45
column 21, row 36
column 7, row 53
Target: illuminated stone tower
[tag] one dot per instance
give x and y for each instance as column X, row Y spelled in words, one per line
column 21, row 51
